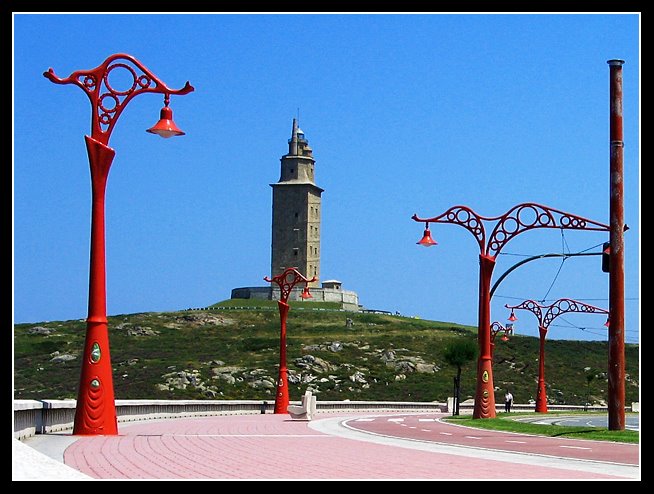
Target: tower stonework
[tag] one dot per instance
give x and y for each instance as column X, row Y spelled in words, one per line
column 296, row 204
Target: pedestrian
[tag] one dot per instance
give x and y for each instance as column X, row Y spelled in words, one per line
column 508, row 401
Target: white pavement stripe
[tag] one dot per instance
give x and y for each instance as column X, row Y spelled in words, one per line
column 364, row 420
column 574, row 447
column 248, row 435
column 396, row 420
column 446, row 433
column 517, row 442
column 472, row 437
column 427, row 420
column 412, row 427
column 425, row 430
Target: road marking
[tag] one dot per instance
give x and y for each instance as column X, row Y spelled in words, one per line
column 446, row 433
column 412, row 427
column 473, row 437
column 425, row 430
column 364, row 420
column 573, row 447
column 517, row 442
column 403, row 425
column 248, row 435
column 396, row 420
column 427, row 420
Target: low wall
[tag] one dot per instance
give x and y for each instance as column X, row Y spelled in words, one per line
column 467, row 408
column 26, row 415
column 46, row 416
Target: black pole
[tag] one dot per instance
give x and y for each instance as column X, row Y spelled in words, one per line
column 533, row 258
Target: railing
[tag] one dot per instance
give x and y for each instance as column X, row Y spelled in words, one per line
column 262, row 307
column 47, row 416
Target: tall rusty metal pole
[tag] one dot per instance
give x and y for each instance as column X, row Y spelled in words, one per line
column 616, row 370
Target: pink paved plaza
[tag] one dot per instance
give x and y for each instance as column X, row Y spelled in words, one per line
column 276, row 447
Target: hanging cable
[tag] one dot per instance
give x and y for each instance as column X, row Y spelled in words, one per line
column 564, row 243
column 563, row 246
column 529, row 255
column 542, row 301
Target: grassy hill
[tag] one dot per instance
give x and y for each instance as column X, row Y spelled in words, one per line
column 226, row 352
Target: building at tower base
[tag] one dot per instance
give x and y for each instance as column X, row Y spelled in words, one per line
column 330, row 291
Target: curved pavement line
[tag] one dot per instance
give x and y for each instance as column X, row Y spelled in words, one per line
column 338, row 426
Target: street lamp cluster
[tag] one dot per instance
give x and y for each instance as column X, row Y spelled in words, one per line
column 95, row 412
column 517, row 220
column 524, row 217
column 545, row 315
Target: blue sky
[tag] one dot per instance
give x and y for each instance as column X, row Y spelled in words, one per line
column 405, row 114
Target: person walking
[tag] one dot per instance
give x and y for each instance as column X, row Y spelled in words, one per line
column 508, row 401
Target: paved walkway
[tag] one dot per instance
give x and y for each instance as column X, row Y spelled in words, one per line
column 429, row 427
column 275, row 447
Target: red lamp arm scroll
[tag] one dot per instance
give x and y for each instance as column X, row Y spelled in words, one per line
column 463, row 216
column 287, row 281
column 558, row 308
column 565, row 305
column 527, row 216
column 518, row 219
column 531, row 306
column 107, row 102
column 497, row 328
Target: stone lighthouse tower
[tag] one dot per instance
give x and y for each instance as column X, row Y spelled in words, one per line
column 296, row 211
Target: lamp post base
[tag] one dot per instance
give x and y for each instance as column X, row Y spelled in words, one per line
column 541, row 398
column 282, row 396
column 95, row 413
column 484, row 394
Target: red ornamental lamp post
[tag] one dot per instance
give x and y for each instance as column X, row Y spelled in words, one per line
column 95, row 412
column 286, row 282
column 497, row 328
column 519, row 219
column 546, row 314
